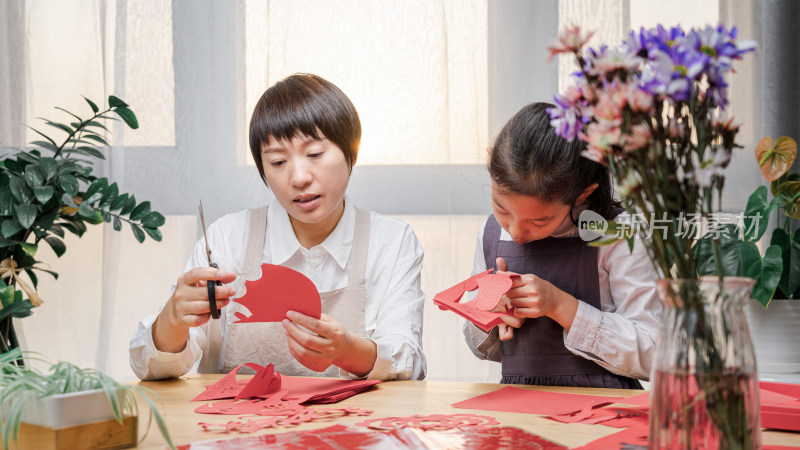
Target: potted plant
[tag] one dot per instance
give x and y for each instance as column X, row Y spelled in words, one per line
column 777, row 273
column 652, row 110
column 48, row 189
column 68, row 396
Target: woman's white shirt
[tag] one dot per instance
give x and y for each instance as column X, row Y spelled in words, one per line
column 394, row 305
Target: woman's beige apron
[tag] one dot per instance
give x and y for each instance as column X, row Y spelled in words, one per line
column 265, row 343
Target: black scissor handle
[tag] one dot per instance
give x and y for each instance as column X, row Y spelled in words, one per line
column 212, row 298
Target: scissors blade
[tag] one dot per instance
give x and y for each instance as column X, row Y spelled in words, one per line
column 205, row 237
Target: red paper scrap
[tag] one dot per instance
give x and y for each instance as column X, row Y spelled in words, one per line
column 638, row 400
column 514, row 399
column 279, row 290
column 432, row 422
column 478, row 311
column 299, row 389
column 791, row 390
column 781, row 417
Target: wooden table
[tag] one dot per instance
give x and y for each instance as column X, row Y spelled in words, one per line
column 394, row 398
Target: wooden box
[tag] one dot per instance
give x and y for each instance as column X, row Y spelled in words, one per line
column 105, row 434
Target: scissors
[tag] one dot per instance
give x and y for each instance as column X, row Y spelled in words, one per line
column 211, row 284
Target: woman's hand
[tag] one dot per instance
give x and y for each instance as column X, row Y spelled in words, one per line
column 188, row 307
column 506, row 329
column 332, row 344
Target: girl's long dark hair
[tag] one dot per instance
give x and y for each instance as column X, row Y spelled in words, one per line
column 529, row 158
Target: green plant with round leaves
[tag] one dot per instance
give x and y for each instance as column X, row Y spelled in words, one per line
column 21, row 385
column 777, row 273
column 46, row 190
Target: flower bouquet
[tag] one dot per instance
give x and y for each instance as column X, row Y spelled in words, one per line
column 652, row 109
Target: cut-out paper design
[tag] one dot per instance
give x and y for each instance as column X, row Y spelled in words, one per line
column 432, row 422
column 335, row 436
column 263, row 383
column 514, row 399
column 283, row 417
column 279, row 290
column 482, row 310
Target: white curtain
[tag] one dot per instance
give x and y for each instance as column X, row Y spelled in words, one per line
column 433, row 82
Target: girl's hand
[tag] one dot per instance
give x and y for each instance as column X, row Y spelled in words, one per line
column 188, row 307
column 535, row 297
column 332, row 344
column 506, row 330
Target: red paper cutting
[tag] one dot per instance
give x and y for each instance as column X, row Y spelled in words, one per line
column 263, row 383
column 513, row 399
column 626, row 438
column 478, row 311
column 432, row 422
column 279, row 290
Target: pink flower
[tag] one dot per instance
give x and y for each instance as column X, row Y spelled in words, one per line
column 610, row 104
column 601, row 136
column 570, row 40
column 675, row 129
column 595, row 155
column 639, row 137
column 639, row 101
column 612, row 61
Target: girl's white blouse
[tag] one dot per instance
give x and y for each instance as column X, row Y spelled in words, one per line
column 394, row 306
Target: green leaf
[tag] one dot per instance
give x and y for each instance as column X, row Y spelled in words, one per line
column 119, row 202
column 90, row 151
column 790, row 253
column 756, row 215
column 97, row 138
column 729, row 252
column 33, row 176
column 85, row 210
column 45, row 136
column 153, row 219
column 6, row 243
column 95, row 190
column 69, row 184
column 66, row 128
column 96, row 219
column 6, row 202
column 110, row 194
column 46, row 145
column 154, row 233
column 117, row 224
column 33, row 277
column 57, row 245
column 29, row 248
column 116, row 102
column 43, row 193
column 766, row 271
column 137, row 232
column 140, row 211
column 26, row 214
column 58, row 230
column 97, row 124
column 76, row 227
column 17, row 309
column 106, row 216
column 129, row 205
column 20, row 190
column 10, row 227
column 94, row 107
column 48, row 167
column 71, row 114
column 128, row 116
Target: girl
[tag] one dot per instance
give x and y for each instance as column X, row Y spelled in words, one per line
column 304, row 138
column 585, row 316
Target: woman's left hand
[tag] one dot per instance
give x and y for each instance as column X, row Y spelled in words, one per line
column 535, row 297
column 316, row 352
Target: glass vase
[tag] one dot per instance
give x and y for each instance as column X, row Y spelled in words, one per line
column 705, row 384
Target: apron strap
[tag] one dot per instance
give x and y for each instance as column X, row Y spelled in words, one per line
column 357, row 271
column 251, row 270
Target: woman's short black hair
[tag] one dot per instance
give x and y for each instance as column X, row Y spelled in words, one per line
column 308, row 105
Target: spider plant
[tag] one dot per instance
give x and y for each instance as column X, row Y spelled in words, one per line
column 21, row 385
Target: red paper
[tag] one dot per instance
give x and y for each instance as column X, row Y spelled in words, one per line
column 789, row 390
column 513, row 399
column 477, row 311
column 279, row 290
